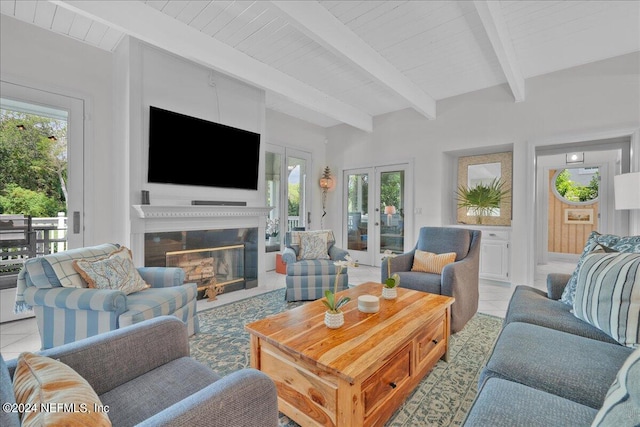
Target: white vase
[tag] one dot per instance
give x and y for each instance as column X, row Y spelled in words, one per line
column 333, row 320
column 389, row 293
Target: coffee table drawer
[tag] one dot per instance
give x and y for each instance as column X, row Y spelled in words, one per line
column 390, row 377
column 431, row 343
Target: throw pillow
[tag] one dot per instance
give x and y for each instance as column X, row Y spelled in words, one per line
column 113, row 272
column 595, row 238
column 39, row 381
column 62, row 263
column 313, row 246
column 293, row 239
column 622, row 404
column 428, row 262
column 608, row 295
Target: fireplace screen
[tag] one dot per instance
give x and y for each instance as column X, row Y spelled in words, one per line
column 219, row 267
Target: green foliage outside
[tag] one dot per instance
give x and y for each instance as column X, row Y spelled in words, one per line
column 390, row 189
column 33, row 167
column 575, row 192
column 294, row 200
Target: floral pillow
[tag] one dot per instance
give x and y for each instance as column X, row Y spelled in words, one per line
column 313, row 246
column 116, row 271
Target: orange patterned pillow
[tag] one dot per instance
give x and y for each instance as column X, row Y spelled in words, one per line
column 428, row 262
column 60, row 395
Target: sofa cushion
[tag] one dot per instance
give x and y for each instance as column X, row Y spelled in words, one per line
column 39, row 380
column 62, row 262
column 531, row 305
column 608, row 295
column 115, row 271
column 445, row 239
column 419, row 281
column 154, row 302
column 622, row 404
column 630, row 244
column 7, row 418
column 556, row 362
column 429, row 262
column 314, row 267
column 502, row 403
column 292, row 239
column 182, row 377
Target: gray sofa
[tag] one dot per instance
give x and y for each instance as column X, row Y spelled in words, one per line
column 144, row 374
column 547, row 368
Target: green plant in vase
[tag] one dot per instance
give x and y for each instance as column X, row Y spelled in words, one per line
column 334, row 318
column 482, row 199
column 389, row 287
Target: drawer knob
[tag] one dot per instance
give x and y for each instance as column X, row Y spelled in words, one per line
column 393, row 385
column 434, row 341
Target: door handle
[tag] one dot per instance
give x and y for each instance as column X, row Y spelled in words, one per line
column 76, row 222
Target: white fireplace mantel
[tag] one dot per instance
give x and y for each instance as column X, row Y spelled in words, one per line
column 151, row 212
column 164, row 218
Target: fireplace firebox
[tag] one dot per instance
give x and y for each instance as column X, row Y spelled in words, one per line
column 225, row 258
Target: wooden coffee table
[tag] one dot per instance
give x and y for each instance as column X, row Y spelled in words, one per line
column 359, row 374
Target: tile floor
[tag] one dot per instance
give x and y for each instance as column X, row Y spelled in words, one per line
column 22, row 335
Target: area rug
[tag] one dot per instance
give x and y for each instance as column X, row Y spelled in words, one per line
column 442, row 398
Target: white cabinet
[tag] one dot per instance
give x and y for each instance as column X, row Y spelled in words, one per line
column 495, row 252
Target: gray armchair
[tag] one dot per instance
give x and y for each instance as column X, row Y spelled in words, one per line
column 458, row 279
column 144, row 374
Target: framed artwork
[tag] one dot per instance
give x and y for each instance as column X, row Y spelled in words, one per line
column 578, row 216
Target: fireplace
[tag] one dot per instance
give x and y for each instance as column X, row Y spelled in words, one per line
column 225, row 258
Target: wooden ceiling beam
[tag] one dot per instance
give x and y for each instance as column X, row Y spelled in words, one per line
column 496, row 28
column 152, row 26
column 317, row 23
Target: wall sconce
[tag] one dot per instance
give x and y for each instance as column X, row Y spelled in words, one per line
column 575, row 158
column 627, row 190
column 389, row 210
column 327, row 183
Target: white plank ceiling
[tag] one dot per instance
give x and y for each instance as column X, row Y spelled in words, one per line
column 331, row 62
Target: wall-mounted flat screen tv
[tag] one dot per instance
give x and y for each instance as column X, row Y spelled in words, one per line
column 187, row 150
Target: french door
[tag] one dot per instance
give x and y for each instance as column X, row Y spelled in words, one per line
column 30, row 100
column 287, row 189
column 377, row 211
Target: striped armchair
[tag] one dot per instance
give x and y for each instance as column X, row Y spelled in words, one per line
column 307, row 279
column 67, row 314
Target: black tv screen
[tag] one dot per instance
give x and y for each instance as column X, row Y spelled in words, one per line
column 190, row 151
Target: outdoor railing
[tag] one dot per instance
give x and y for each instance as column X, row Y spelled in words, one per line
column 51, row 234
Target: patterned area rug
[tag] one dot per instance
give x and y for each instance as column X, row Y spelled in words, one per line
column 442, row 398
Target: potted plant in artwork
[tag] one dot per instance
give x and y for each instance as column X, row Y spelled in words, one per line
column 481, row 200
column 390, row 286
column 334, row 317
column 273, row 228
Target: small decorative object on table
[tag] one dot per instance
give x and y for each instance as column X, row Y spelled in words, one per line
column 390, row 286
column 368, row 303
column 334, row 317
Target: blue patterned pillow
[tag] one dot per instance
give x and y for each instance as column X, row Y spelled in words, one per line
column 622, row 405
column 608, row 295
column 313, row 246
column 595, row 239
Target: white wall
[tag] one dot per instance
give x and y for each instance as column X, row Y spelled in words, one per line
column 287, row 131
column 44, row 60
column 593, row 98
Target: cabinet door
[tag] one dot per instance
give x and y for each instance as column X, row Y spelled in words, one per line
column 494, row 260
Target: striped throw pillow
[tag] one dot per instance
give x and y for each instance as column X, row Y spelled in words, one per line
column 608, row 295
column 622, row 405
column 428, row 262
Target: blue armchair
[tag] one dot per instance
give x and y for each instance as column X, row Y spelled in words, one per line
column 67, row 314
column 458, row 279
column 307, row 279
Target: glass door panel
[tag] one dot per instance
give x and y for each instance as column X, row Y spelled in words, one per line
column 298, row 209
column 273, row 188
column 357, row 212
column 391, row 210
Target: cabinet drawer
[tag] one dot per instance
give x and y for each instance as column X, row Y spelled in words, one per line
column 385, row 380
column 495, row 235
column 429, row 340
